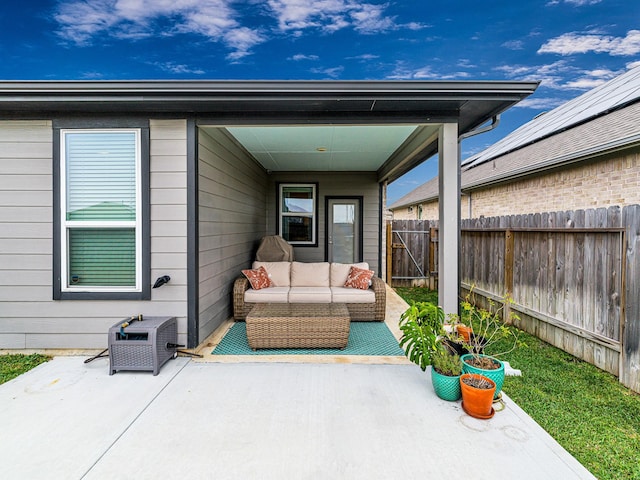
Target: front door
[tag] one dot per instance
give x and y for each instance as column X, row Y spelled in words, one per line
column 344, row 230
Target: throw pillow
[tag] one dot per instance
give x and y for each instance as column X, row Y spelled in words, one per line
column 258, row 278
column 359, row 278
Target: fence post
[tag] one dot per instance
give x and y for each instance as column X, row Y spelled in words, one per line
column 508, row 271
column 389, row 275
column 433, row 272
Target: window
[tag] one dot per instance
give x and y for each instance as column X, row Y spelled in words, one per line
column 297, row 213
column 101, row 210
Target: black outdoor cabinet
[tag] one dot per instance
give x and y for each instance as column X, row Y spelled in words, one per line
column 145, row 344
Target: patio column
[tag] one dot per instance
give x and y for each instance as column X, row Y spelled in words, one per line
column 449, row 217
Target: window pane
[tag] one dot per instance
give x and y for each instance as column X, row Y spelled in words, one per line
column 102, row 257
column 297, row 199
column 297, row 229
column 101, row 175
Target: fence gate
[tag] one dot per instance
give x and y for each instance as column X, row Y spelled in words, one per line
column 412, row 257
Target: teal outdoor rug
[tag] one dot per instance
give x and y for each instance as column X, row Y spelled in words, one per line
column 365, row 338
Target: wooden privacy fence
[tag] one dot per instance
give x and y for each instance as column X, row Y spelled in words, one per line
column 574, row 277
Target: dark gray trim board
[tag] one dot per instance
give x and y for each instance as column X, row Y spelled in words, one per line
column 193, row 244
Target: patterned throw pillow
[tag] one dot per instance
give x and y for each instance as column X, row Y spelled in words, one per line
column 359, row 278
column 258, row 278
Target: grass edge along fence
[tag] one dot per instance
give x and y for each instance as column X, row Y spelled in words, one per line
column 574, row 276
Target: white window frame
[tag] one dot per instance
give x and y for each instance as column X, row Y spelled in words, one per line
column 65, row 224
column 313, row 215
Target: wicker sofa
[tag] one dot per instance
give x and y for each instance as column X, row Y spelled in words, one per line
column 322, row 282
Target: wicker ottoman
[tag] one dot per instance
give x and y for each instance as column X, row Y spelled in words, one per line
column 298, row 325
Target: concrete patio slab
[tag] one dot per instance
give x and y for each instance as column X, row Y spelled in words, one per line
column 58, row 419
column 71, row 420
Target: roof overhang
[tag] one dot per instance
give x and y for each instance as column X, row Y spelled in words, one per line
column 423, row 104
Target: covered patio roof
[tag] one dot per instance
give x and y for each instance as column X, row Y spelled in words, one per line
column 420, row 106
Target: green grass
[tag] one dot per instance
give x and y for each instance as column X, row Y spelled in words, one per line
column 13, row 365
column 417, row 294
column 586, row 410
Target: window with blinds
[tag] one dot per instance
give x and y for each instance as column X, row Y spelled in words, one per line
column 100, row 197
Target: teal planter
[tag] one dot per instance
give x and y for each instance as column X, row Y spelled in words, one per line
column 496, row 375
column 446, row 388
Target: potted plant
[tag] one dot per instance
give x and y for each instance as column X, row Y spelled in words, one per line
column 446, row 368
column 477, row 395
column 422, row 326
column 488, row 326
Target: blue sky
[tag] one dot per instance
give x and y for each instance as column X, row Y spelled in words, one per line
column 570, row 46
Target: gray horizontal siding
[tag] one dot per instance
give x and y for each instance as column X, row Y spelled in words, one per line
column 232, row 193
column 29, row 318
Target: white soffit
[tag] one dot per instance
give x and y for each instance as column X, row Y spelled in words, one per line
column 322, row 148
column 609, row 96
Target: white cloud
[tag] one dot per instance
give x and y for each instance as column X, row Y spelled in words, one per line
column 577, row 3
column 540, row 103
column 92, row 76
column 580, row 3
column 559, row 75
column 332, row 15
column 415, row 26
column 584, row 83
column 177, row 68
column 83, row 22
column 574, row 42
column 370, row 19
column 514, row 45
column 403, row 72
column 550, row 75
column 241, row 40
column 365, row 57
column 333, row 72
column 300, row 56
column 80, row 22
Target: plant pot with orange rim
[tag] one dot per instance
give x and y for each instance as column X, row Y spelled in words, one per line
column 487, row 366
column 477, row 395
column 465, row 332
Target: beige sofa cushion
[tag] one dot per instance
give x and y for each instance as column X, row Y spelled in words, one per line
column 340, row 272
column 309, row 295
column 310, row 275
column 267, row 295
column 279, row 272
column 352, row 295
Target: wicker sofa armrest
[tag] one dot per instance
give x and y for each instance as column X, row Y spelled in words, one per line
column 240, row 286
column 380, row 290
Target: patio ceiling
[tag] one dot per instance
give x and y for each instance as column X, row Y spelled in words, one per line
column 324, row 148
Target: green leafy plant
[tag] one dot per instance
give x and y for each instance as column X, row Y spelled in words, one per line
column 490, row 326
column 422, row 326
column 446, row 362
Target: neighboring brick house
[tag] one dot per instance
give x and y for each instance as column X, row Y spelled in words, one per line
column 583, row 154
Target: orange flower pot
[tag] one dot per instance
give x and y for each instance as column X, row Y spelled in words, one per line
column 477, row 402
column 465, row 332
